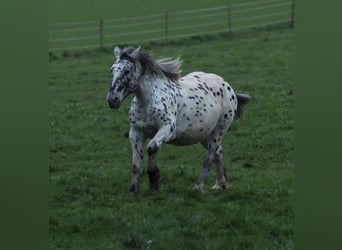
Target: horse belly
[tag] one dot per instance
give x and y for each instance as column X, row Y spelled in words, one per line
column 189, row 138
column 192, row 128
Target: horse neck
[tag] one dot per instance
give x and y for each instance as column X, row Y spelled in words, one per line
column 149, row 86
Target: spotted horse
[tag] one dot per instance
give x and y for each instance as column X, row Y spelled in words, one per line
column 196, row 108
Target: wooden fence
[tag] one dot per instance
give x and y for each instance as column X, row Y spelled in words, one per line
column 170, row 25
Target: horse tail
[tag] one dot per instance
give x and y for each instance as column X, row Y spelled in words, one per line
column 242, row 100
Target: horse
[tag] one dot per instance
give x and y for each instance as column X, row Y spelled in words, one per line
column 167, row 108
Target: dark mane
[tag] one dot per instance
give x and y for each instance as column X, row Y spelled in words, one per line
column 168, row 67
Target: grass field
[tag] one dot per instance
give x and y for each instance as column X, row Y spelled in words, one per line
column 90, row 161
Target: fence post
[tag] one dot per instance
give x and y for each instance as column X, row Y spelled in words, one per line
column 166, row 26
column 292, row 14
column 229, row 19
column 101, row 33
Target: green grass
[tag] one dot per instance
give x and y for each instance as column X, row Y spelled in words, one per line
column 90, row 157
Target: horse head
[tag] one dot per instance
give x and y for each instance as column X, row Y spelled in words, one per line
column 126, row 72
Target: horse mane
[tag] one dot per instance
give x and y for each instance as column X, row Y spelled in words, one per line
column 169, row 67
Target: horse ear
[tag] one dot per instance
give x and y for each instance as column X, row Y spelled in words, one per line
column 135, row 53
column 117, row 52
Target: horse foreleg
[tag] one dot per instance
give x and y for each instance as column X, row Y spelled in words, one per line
column 163, row 135
column 153, row 172
column 136, row 138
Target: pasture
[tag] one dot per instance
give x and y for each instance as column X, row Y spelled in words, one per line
column 90, row 156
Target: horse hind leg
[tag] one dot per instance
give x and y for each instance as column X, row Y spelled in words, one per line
column 221, row 179
column 213, row 145
column 211, row 157
column 207, row 162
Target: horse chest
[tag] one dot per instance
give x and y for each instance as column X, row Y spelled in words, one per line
column 149, row 118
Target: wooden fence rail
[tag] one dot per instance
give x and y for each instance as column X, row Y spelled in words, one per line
column 170, row 25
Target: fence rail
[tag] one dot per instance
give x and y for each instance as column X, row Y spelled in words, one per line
column 169, row 25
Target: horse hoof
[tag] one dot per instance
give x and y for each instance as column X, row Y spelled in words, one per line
column 198, row 188
column 220, row 186
column 133, row 189
column 155, row 186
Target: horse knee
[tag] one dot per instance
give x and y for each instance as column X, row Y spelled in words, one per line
column 218, row 151
column 218, row 155
column 152, row 148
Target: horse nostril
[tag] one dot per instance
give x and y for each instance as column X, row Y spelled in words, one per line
column 114, row 102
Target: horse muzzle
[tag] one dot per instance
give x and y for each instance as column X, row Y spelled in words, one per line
column 114, row 102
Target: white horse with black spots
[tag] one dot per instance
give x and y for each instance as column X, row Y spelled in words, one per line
column 196, row 108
